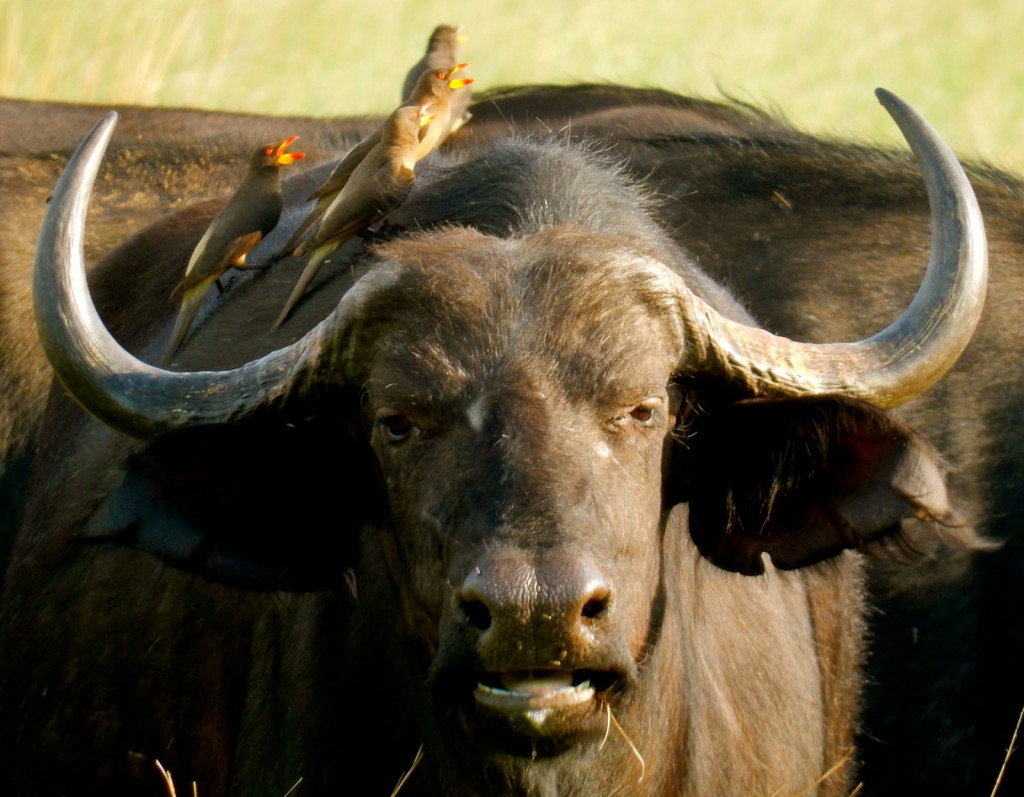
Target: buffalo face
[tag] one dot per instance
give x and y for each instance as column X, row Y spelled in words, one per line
column 523, row 466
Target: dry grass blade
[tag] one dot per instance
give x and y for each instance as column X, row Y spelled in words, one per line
column 1009, row 753
column 405, row 776
column 828, row 773
column 168, row 781
column 640, row 758
column 290, row 791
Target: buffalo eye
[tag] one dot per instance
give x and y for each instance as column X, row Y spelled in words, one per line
column 643, row 414
column 397, row 427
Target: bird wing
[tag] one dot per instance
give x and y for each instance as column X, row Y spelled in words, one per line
column 294, row 243
column 366, row 199
column 362, row 203
column 328, row 191
column 191, row 298
column 215, row 261
column 194, row 285
column 201, row 247
column 347, row 165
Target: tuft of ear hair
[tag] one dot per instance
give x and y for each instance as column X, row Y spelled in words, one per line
column 802, row 479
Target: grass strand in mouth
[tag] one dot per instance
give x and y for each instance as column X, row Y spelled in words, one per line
column 629, row 742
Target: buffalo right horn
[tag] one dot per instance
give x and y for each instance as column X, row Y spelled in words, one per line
column 132, row 396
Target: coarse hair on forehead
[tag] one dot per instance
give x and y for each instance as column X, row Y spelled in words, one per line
column 585, row 304
column 560, row 270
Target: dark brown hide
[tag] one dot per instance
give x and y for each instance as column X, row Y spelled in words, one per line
column 817, row 237
column 486, row 395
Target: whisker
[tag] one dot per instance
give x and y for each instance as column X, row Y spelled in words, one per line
column 607, row 727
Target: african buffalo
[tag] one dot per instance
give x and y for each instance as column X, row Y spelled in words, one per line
column 544, row 504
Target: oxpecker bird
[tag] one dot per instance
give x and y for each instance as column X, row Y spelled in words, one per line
column 442, row 53
column 433, row 89
column 251, row 212
column 379, row 184
column 439, row 87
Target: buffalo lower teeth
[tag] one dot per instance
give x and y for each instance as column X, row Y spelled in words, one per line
column 533, row 697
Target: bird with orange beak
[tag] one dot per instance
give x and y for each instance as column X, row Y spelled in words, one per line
column 442, row 53
column 378, row 184
column 251, row 213
column 432, row 93
column 439, row 87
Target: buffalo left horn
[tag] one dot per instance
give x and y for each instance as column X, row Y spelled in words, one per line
column 906, row 357
column 127, row 394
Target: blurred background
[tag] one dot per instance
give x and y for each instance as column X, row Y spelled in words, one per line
column 815, row 62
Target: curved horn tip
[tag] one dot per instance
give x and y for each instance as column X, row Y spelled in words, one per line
column 915, row 128
column 109, row 118
column 886, row 97
column 899, row 109
column 102, row 130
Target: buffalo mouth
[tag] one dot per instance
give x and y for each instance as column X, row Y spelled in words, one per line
column 539, row 713
column 538, row 690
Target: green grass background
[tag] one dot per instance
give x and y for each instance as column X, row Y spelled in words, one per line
column 817, row 62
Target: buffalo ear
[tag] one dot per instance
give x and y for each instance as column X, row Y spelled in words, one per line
column 263, row 506
column 804, row 479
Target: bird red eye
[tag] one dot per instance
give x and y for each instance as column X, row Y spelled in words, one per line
column 268, row 151
column 440, row 75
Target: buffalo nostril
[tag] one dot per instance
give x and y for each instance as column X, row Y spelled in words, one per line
column 476, row 614
column 556, row 594
column 597, row 605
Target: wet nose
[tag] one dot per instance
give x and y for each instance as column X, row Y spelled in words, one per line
column 524, row 600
